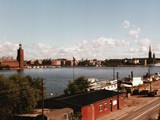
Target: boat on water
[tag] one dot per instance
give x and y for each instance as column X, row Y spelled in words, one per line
column 158, row 64
column 152, row 77
column 95, row 84
column 132, row 82
column 154, row 65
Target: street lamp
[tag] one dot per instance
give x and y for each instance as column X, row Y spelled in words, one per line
column 117, row 90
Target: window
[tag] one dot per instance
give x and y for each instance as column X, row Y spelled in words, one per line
column 105, row 105
column 100, row 107
column 66, row 116
column 114, row 102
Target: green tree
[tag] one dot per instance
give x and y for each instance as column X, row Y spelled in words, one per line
column 18, row 94
column 76, row 86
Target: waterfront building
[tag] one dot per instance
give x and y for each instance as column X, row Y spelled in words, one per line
column 38, row 62
column 10, row 63
column 56, row 63
column 49, row 114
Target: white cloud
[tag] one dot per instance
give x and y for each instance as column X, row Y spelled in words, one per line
column 144, row 49
column 126, row 24
column 132, row 29
column 100, row 48
column 135, row 32
column 40, row 51
column 8, row 49
column 42, row 46
column 144, row 42
column 157, row 49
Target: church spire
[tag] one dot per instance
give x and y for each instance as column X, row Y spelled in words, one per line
column 149, row 47
column 150, row 52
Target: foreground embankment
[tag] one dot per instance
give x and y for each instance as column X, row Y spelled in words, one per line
column 134, row 103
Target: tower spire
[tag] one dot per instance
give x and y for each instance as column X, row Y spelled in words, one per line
column 20, row 45
column 150, row 52
column 149, row 48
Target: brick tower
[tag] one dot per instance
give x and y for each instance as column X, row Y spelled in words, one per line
column 20, row 57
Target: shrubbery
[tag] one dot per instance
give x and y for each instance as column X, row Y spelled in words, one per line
column 18, row 94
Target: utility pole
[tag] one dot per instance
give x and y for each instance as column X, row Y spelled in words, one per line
column 42, row 99
column 73, row 72
column 117, row 90
column 73, row 66
column 159, row 115
column 150, row 82
column 113, row 73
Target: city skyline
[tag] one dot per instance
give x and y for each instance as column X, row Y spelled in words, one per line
column 104, row 29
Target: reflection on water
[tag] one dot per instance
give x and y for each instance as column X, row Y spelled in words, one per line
column 56, row 79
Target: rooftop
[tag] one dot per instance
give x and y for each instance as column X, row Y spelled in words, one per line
column 86, row 98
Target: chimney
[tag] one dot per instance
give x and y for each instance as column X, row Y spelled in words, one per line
column 131, row 74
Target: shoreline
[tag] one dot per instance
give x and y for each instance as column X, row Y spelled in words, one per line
column 7, row 69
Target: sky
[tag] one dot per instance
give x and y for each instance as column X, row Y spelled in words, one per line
column 84, row 29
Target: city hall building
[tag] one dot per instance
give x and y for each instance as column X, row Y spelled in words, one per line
column 10, row 63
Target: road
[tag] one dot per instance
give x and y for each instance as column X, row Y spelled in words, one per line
column 143, row 113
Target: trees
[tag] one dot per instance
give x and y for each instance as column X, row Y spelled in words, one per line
column 18, row 94
column 79, row 85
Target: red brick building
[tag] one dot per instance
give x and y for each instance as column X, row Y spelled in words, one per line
column 49, row 114
column 56, row 63
column 14, row 63
column 92, row 105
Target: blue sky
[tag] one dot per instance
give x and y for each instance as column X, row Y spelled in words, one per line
column 87, row 29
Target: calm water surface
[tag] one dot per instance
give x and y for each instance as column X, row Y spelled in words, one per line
column 56, row 79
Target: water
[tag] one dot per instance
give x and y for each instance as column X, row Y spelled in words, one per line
column 56, row 79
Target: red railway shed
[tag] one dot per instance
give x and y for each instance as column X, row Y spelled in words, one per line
column 92, row 105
